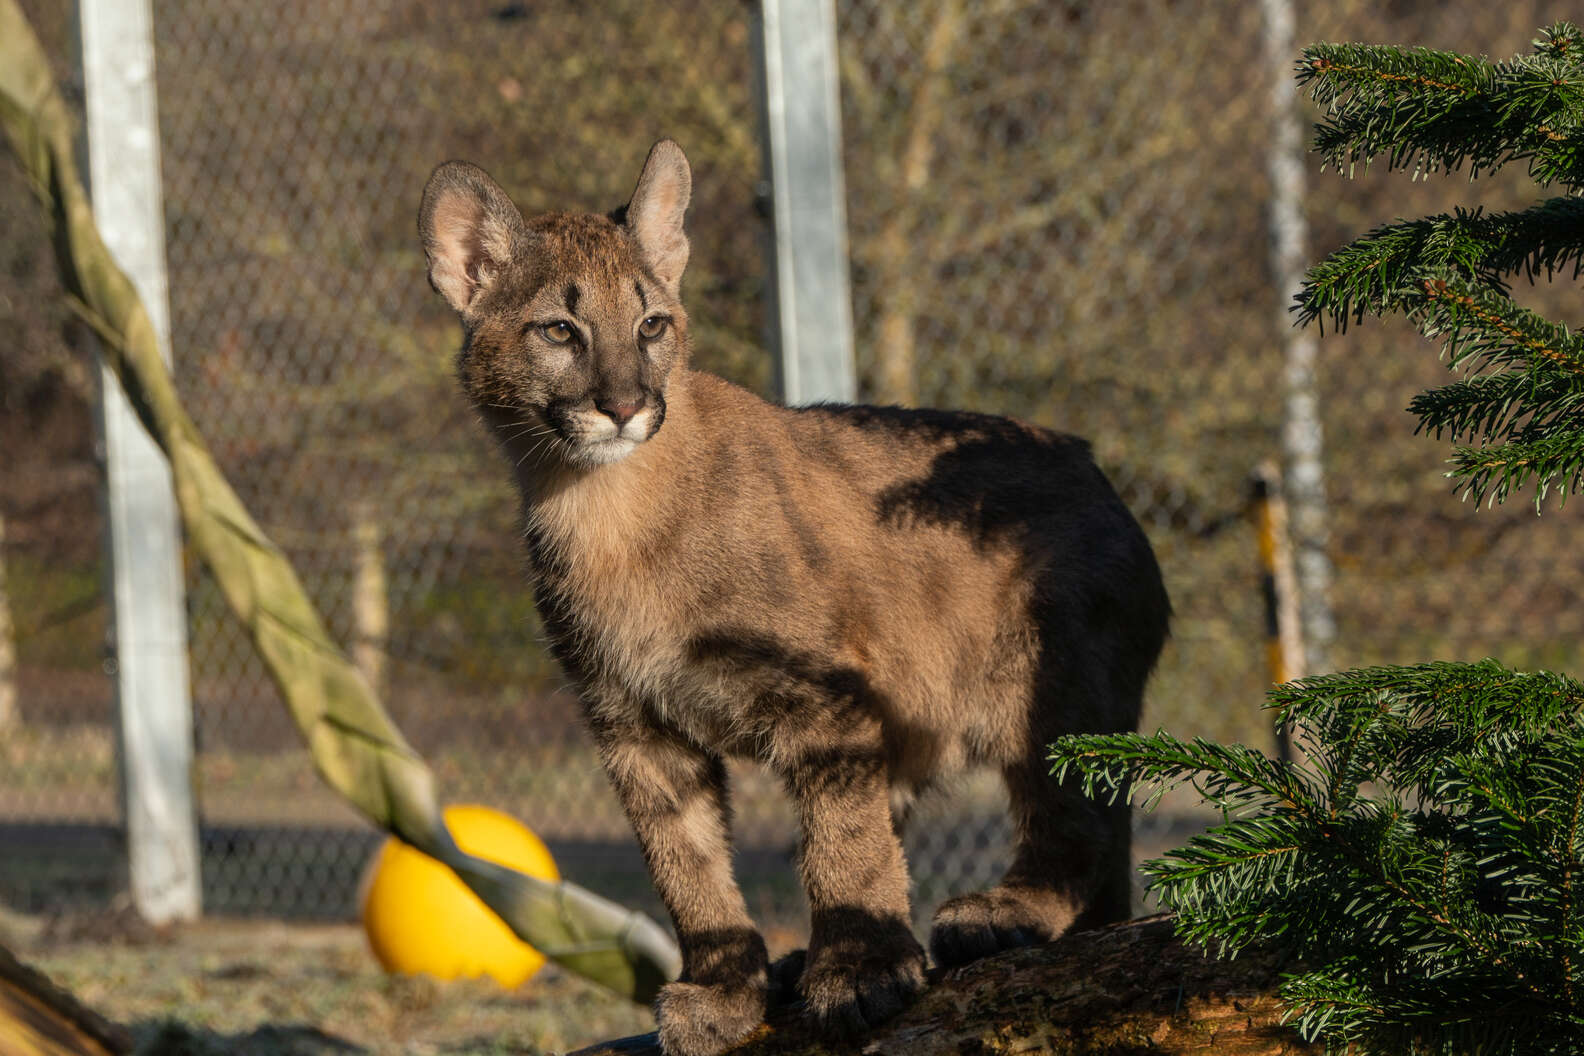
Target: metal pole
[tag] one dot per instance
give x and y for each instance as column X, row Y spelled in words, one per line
column 1303, row 439
column 811, row 301
column 149, row 633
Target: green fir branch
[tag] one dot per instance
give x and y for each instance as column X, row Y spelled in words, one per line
column 1375, row 274
column 1494, row 407
column 1436, row 111
column 1552, row 462
column 1232, row 774
column 1440, row 708
column 1421, row 861
column 1421, row 856
column 1476, row 698
column 1479, row 328
column 1561, row 40
column 1446, row 274
column 1339, row 76
column 1409, row 1020
column 1386, row 269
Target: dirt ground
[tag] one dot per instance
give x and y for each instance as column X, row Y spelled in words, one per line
column 271, row 988
column 275, row 989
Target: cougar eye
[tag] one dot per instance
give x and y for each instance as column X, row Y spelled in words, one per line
column 653, row 326
column 559, row 333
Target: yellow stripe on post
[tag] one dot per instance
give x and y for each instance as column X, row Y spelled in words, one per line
column 1284, row 644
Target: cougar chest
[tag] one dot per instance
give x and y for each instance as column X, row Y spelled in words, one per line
column 607, row 572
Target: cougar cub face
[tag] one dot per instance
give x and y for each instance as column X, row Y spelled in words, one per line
column 573, row 323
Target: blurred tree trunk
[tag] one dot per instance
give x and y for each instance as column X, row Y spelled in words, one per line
column 896, row 258
column 10, row 714
column 1303, row 439
column 1127, row 989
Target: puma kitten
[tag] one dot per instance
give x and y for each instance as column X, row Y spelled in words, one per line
column 863, row 599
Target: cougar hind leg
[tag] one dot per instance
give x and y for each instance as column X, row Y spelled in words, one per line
column 1071, row 871
column 1071, row 868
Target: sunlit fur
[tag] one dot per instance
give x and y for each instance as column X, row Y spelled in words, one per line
column 862, row 599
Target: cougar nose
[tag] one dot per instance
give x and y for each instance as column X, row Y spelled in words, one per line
column 620, row 413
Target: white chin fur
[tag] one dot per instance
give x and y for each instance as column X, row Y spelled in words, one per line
column 602, row 452
column 602, row 442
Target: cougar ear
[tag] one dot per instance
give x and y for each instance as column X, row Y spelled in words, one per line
column 654, row 215
column 470, row 230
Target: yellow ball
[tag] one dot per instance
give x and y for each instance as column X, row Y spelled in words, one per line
column 420, row 919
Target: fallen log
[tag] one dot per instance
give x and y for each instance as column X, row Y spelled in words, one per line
column 38, row 1018
column 1128, row 990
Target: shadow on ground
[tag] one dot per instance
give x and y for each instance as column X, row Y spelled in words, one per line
column 170, row 1038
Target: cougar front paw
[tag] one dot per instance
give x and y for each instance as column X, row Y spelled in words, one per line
column 969, row 927
column 699, row 1020
column 852, row 986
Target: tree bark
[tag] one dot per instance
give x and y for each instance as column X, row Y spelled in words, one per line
column 10, row 712
column 38, row 1018
column 1130, row 989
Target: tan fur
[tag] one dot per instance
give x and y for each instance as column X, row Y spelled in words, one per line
column 891, row 626
column 863, row 599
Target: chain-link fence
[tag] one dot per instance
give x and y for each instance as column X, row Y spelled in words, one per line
column 1057, row 210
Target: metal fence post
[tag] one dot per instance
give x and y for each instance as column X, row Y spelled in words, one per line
column 149, row 651
column 811, row 302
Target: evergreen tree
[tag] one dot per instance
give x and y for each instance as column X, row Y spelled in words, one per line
column 1423, row 860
